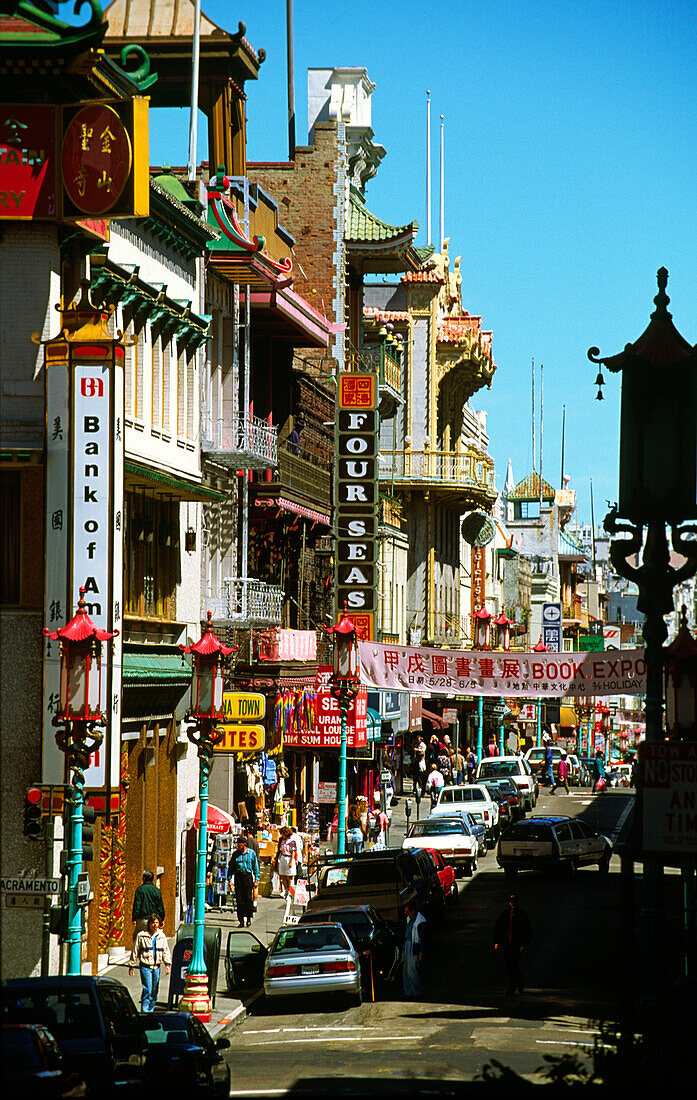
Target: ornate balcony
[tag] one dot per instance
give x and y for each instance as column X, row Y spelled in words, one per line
column 244, row 602
column 382, row 360
column 298, row 486
column 240, row 442
column 467, row 475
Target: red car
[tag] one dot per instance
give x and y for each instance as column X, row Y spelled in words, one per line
column 446, row 874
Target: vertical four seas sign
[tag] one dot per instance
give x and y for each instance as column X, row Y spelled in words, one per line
column 357, row 498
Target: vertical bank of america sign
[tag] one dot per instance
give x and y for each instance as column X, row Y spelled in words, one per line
column 357, row 498
column 84, row 530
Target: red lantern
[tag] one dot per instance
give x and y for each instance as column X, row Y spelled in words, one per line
column 345, row 654
column 482, row 629
column 81, row 667
column 207, row 680
column 503, row 631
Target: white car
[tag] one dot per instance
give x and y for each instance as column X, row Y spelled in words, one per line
column 451, row 836
column 511, row 767
column 551, row 843
column 472, row 799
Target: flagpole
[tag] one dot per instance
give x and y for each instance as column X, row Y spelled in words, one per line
column 428, row 166
column 193, row 117
column 442, row 184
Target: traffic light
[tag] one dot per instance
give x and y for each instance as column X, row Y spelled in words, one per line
column 33, row 816
column 88, row 817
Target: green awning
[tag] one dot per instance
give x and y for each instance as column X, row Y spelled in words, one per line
column 175, row 486
column 374, row 725
column 167, row 669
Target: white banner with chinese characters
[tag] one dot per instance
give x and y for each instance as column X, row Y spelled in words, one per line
column 461, row 672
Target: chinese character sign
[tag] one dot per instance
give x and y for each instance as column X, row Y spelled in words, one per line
column 28, row 161
column 96, row 159
column 453, row 672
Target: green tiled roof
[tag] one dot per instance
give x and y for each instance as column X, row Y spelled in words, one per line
column 529, row 489
column 155, row 668
column 424, row 251
column 364, row 226
column 570, row 547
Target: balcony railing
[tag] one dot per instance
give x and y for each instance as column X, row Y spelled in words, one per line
column 241, row 442
column 450, row 469
column 307, row 478
column 245, row 602
column 380, row 360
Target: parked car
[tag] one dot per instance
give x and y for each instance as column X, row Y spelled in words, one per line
column 506, row 795
column 452, row 836
column 245, row 956
column 536, row 759
column 551, row 843
column 446, row 874
column 312, row 958
column 384, row 878
column 474, row 799
column 620, row 775
column 511, row 767
column 182, row 1058
column 94, row 1021
column 33, row 1065
column 368, row 932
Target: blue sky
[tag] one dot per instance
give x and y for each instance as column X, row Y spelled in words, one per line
column 571, row 160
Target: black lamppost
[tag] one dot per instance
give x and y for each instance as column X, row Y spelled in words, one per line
column 657, row 488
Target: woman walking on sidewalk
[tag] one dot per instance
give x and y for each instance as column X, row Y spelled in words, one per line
column 150, row 950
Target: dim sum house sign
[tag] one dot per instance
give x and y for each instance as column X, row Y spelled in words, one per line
column 357, row 498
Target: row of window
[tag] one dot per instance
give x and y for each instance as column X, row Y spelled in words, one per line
column 160, row 386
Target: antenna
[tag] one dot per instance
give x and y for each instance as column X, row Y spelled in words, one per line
column 442, row 185
column 542, row 383
column 563, row 430
column 534, row 454
column 428, row 166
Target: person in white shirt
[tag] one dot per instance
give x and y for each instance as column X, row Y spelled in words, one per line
column 434, row 783
column 150, row 951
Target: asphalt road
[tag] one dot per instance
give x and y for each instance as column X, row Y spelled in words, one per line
column 465, row 1019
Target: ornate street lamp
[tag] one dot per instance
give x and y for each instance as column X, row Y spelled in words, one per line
column 503, row 641
column 657, row 488
column 345, row 685
column 681, row 684
column 205, row 711
column 79, row 713
column 539, row 648
column 482, row 628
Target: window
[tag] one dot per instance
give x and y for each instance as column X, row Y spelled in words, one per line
column 529, row 830
column 152, row 565
column 10, row 536
column 563, row 832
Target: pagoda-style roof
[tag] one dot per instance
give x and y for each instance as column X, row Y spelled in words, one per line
column 569, row 548
column 529, row 489
column 165, row 28
column 660, row 344
column 376, row 245
column 44, row 59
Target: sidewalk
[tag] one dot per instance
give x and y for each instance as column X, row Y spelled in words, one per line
column 229, row 1009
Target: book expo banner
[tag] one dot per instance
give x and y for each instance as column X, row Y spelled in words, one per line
column 463, row 672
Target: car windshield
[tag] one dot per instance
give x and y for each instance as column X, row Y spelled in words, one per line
column 355, row 925
column 441, row 827
column 494, row 768
column 528, row 830
column 306, row 940
column 67, row 1013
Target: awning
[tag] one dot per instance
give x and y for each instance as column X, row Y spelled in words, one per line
column 292, row 316
column 155, row 668
column 173, row 486
column 435, row 719
column 374, row 725
column 567, row 716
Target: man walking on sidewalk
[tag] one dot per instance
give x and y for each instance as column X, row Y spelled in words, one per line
column 146, row 900
column 243, row 869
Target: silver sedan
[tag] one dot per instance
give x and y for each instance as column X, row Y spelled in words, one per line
column 312, row 958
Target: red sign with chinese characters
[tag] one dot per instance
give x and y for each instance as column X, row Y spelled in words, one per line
column 357, row 391
column 478, row 579
column 27, row 162
column 95, row 159
column 327, row 729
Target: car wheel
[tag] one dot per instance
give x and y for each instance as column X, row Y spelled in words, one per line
column 357, row 998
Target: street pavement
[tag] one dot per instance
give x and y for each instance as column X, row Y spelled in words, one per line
column 465, row 1019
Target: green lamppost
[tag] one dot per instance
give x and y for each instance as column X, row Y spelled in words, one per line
column 482, row 640
column 657, row 489
column 539, row 648
column 80, row 714
column 345, row 685
column 503, row 641
column 205, row 711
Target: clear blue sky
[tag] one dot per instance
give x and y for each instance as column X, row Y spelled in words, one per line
column 571, row 160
